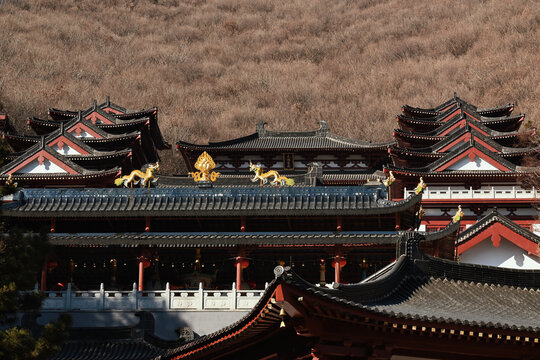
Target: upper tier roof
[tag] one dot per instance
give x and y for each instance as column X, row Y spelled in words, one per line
column 263, row 139
column 110, row 117
column 440, row 112
column 503, row 123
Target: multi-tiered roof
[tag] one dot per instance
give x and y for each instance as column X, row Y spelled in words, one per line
column 88, row 147
column 459, row 142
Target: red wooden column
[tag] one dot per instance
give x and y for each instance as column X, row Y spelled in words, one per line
column 141, row 262
column 43, row 282
column 338, row 263
column 240, row 263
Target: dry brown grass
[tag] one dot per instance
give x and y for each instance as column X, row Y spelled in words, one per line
column 216, row 67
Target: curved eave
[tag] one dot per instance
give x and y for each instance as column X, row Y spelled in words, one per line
column 124, row 124
column 110, row 139
column 461, row 174
column 494, row 111
column 99, row 157
column 90, row 175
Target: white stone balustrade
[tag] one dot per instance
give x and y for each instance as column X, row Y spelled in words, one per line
column 506, row 192
column 162, row 300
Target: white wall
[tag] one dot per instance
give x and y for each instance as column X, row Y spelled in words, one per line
column 35, row 168
column 467, row 164
column 507, row 255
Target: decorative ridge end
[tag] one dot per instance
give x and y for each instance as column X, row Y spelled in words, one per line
column 323, row 128
column 260, row 128
column 280, row 270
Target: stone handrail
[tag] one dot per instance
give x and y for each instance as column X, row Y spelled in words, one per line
column 164, row 300
column 493, row 193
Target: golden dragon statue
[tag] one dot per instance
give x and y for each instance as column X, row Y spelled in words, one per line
column 144, row 178
column 459, row 215
column 205, row 164
column 390, row 180
column 420, row 187
column 278, row 180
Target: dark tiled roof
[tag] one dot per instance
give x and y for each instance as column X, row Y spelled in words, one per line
column 265, row 139
column 423, row 288
column 416, row 289
column 457, row 103
column 254, row 201
column 124, row 349
column 223, row 239
column 454, row 153
column 64, row 159
column 488, row 140
column 495, row 217
column 436, row 134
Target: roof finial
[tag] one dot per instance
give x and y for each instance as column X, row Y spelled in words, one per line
column 108, row 101
column 323, row 128
column 62, row 127
column 455, row 95
column 43, row 141
column 260, row 128
column 79, row 114
column 95, row 104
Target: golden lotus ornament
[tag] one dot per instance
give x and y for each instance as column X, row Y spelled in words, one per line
column 205, row 164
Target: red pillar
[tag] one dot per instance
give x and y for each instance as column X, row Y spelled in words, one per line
column 141, row 273
column 338, row 263
column 43, row 285
column 240, row 263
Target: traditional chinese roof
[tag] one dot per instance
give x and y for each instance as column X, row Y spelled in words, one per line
column 116, row 343
column 224, row 240
column 107, row 106
column 217, row 201
column 503, row 124
column 44, row 164
column 472, row 149
column 403, row 155
column 446, row 109
column 471, row 309
column 264, row 139
column 494, row 225
column 109, row 117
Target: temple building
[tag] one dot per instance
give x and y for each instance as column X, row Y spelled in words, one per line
column 343, row 160
column 419, row 307
column 86, row 148
column 379, row 251
column 468, row 156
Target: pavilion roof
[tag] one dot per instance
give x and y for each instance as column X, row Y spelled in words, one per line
column 262, row 139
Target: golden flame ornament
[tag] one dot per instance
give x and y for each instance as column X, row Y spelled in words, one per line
column 205, row 164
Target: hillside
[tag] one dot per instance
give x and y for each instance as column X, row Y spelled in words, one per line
column 217, row 67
